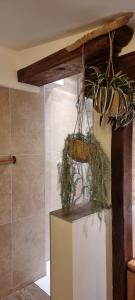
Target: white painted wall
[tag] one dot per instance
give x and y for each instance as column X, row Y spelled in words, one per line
column 61, row 260
column 78, row 259
column 8, row 70
column 104, row 134
column 130, row 47
column 89, row 259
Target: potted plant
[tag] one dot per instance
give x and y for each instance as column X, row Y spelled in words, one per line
column 79, row 148
column 112, row 95
column 85, row 168
column 87, row 181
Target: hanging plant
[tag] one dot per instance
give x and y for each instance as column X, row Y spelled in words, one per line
column 84, row 181
column 79, row 147
column 85, row 168
column 112, row 94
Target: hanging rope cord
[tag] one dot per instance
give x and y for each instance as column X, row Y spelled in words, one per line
column 81, row 102
column 110, row 67
column 82, row 170
column 81, row 110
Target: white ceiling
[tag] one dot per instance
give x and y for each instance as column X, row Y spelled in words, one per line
column 25, row 23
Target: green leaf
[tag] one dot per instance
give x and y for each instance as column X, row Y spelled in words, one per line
column 103, row 96
column 95, row 94
column 96, row 70
column 123, row 99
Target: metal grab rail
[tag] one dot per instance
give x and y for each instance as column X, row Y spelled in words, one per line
column 7, row 160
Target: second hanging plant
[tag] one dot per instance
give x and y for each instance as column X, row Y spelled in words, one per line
column 112, row 94
column 85, row 179
column 84, row 171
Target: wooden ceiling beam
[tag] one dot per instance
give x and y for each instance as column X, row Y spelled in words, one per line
column 126, row 63
column 63, row 63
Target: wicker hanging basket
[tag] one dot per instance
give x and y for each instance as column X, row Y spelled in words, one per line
column 116, row 107
column 80, row 150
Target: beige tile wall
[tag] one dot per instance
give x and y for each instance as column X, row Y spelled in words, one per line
column 22, row 212
column 60, row 118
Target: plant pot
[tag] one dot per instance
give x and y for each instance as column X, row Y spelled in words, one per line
column 113, row 109
column 80, row 150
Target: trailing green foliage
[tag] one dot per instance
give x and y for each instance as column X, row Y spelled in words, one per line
column 125, row 119
column 86, row 181
column 100, row 175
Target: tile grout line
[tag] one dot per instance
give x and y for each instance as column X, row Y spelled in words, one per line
column 11, row 191
column 43, row 96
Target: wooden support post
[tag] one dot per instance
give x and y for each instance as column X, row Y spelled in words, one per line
column 121, row 209
column 131, row 280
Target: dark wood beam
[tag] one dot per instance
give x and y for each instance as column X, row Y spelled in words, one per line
column 63, row 63
column 121, row 209
column 126, row 63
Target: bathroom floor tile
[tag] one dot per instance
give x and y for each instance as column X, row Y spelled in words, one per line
column 35, row 293
column 31, row 292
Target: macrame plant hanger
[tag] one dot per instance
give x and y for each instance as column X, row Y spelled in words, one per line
column 81, row 102
column 110, row 67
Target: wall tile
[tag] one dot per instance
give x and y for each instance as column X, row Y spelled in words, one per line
column 21, row 189
column 60, row 118
column 5, row 208
column 5, row 122
column 5, row 240
column 28, row 249
column 5, row 260
column 5, row 194
column 28, row 186
column 5, row 179
column 24, row 273
column 18, row 295
column 27, row 122
column 5, row 276
column 52, row 186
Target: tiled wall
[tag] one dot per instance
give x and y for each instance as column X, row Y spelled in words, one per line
column 60, row 118
column 22, row 217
